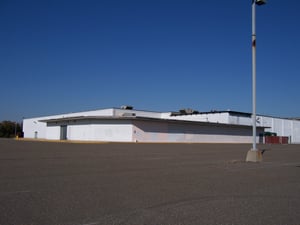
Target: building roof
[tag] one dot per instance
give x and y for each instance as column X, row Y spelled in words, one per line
column 132, row 118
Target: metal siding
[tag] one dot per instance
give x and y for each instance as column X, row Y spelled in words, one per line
column 53, row 133
column 296, row 132
column 146, row 131
column 114, row 131
column 149, row 131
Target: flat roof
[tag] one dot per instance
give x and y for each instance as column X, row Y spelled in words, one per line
column 82, row 118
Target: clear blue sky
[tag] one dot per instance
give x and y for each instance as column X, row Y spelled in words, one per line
column 60, row 56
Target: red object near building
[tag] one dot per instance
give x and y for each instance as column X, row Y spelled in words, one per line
column 276, row 140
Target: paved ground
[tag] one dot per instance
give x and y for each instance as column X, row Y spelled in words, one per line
column 44, row 183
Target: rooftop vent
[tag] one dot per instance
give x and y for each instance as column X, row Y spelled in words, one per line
column 127, row 107
column 188, row 111
column 183, row 112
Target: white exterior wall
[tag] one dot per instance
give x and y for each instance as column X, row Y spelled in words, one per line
column 283, row 127
column 205, row 117
column 53, row 133
column 145, row 131
column 218, row 118
column 92, row 130
column 209, row 134
column 296, row 132
column 33, row 128
column 150, row 131
column 101, row 132
column 241, row 120
column 265, row 122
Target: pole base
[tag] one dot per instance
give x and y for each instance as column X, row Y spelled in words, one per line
column 254, row 156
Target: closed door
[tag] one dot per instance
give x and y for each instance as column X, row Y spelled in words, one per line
column 63, row 132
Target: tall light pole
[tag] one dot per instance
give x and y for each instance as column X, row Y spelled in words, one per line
column 254, row 155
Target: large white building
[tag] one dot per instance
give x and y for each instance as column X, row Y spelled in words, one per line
column 128, row 125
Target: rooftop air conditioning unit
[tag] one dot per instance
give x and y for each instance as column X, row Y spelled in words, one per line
column 128, row 107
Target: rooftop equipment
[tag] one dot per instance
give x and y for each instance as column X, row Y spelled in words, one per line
column 127, row 107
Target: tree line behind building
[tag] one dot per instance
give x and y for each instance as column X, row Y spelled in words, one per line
column 10, row 129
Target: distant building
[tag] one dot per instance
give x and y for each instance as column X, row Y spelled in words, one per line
column 129, row 125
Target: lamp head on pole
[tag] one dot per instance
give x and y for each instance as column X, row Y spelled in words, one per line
column 260, row 2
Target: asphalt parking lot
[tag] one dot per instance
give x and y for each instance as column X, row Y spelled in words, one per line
column 47, row 183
